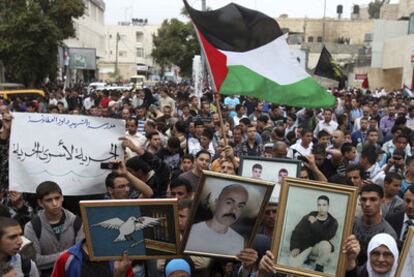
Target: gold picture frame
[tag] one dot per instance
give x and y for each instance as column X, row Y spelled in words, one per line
column 407, row 252
column 244, row 223
column 297, row 198
column 146, row 228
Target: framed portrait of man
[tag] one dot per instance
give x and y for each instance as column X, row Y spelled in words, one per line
column 313, row 221
column 226, row 214
column 406, row 261
column 146, row 228
column 269, row 169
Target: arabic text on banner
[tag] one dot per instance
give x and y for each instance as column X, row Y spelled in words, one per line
column 66, row 149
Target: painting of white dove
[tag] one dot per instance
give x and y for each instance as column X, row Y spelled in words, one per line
column 128, row 227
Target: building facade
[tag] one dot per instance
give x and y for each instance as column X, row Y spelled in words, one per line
column 79, row 57
column 128, row 47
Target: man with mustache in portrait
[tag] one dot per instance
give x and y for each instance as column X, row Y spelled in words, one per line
column 215, row 235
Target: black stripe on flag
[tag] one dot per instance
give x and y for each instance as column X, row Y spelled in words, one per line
column 235, row 28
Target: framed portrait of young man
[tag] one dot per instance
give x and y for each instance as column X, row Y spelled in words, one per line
column 226, row 214
column 406, row 260
column 146, row 228
column 313, row 221
column 269, row 169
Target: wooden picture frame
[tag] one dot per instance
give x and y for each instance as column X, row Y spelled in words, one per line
column 272, row 169
column 406, row 255
column 146, row 228
column 236, row 202
column 296, row 239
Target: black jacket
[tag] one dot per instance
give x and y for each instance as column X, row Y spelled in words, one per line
column 308, row 234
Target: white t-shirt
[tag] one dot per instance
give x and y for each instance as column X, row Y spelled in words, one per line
column 204, row 239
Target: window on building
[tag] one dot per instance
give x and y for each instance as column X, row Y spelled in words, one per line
column 310, row 39
column 411, row 24
column 122, row 53
column 140, row 52
column 140, row 36
column 319, row 39
column 110, row 36
column 122, row 37
column 110, row 52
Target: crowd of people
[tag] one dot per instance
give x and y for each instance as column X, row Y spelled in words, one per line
column 171, row 136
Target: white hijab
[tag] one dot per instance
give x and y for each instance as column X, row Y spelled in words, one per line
column 389, row 242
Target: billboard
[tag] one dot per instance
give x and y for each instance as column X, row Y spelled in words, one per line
column 82, row 58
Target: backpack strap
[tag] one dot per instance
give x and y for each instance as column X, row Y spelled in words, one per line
column 77, row 224
column 37, row 226
column 26, row 266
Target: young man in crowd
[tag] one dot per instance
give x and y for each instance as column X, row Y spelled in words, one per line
column 54, row 229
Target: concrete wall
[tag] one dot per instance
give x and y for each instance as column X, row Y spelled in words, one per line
column 406, row 7
column 355, row 30
column 383, row 31
column 390, row 79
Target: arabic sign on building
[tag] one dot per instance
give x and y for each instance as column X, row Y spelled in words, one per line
column 66, row 149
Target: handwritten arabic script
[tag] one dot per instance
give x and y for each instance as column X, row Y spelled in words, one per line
column 64, row 121
column 65, row 152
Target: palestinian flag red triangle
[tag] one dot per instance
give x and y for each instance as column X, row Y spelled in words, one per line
column 247, row 54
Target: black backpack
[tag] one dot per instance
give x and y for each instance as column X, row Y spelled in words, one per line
column 37, row 226
column 26, row 266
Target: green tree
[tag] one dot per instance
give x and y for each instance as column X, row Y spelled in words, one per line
column 374, row 8
column 175, row 43
column 31, row 32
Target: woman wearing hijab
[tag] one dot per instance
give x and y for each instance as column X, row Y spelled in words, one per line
column 382, row 258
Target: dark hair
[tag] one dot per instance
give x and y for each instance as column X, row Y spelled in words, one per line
column 323, row 197
column 208, row 134
column 258, row 166
column 198, row 122
column 370, row 153
column 371, row 130
column 354, row 167
column 109, row 180
column 177, row 182
column 150, row 135
column 305, row 131
column 6, row 222
column 188, row 157
column 180, row 126
column 185, row 204
column 4, row 211
column 403, row 136
column 136, row 163
column 319, row 149
column 410, row 188
column 323, row 133
column 238, row 107
column 245, row 121
column 373, row 188
column 346, row 147
column 392, row 176
column 46, row 188
column 263, row 118
column 395, row 129
column 133, row 119
column 293, row 116
column 173, row 143
column 202, row 151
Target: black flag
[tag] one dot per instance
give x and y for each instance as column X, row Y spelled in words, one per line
column 328, row 68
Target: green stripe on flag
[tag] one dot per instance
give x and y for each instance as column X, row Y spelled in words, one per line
column 305, row 93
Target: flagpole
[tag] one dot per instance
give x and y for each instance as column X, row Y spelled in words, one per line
column 323, row 22
column 215, row 92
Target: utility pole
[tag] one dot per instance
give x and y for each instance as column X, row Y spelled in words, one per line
column 116, row 55
column 323, row 23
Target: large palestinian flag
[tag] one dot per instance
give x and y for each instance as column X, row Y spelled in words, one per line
column 247, row 54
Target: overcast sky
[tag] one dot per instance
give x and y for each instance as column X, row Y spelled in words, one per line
column 158, row 10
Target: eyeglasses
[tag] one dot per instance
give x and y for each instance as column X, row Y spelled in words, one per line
column 385, row 255
column 397, row 158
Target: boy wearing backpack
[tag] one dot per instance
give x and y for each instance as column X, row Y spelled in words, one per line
column 10, row 244
column 54, row 229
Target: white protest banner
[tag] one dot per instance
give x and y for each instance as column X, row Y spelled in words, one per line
column 66, row 149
